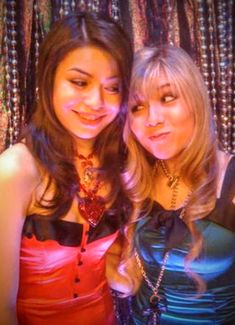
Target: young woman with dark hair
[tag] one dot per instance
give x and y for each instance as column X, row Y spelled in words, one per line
column 61, row 202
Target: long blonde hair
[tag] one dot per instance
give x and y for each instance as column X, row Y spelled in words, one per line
column 198, row 161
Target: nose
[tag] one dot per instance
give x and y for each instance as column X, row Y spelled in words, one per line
column 94, row 98
column 155, row 115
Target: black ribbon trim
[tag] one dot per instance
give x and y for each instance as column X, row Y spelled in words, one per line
column 176, row 229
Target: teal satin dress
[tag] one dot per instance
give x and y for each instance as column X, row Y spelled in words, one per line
column 163, row 229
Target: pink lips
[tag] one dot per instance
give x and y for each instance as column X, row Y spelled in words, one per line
column 89, row 119
column 159, row 136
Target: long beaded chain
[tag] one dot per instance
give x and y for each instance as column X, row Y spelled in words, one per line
column 12, row 75
column 115, row 12
column 3, row 110
column 170, row 20
column 37, row 32
column 212, row 46
column 230, row 5
column 223, row 100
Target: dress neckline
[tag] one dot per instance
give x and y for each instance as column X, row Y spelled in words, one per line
column 227, row 189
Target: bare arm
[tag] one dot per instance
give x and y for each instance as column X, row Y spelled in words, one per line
column 128, row 281
column 16, row 186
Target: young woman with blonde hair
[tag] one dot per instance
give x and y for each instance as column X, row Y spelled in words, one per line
column 183, row 191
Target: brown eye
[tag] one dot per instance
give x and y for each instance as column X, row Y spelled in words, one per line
column 114, row 89
column 137, row 108
column 168, row 98
column 79, row 83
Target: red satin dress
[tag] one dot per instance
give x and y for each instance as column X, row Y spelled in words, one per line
column 62, row 272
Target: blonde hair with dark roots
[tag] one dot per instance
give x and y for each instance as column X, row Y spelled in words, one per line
column 198, row 161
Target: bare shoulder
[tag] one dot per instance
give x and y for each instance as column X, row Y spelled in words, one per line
column 18, row 161
column 223, row 159
column 18, row 168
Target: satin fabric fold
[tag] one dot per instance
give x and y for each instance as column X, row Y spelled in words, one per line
column 163, row 229
column 62, row 272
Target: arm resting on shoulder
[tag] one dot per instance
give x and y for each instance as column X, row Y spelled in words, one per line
column 125, row 281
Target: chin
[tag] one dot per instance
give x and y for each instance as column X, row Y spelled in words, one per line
column 162, row 155
column 86, row 138
column 87, row 134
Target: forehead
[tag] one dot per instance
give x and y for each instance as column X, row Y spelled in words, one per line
column 90, row 58
column 151, row 83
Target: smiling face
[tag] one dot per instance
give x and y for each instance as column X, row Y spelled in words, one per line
column 87, row 92
column 162, row 124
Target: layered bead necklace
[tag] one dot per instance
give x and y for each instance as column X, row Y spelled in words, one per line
column 154, row 311
column 91, row 205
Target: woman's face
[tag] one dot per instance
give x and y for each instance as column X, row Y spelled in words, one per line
column 164, row 125
column 87, row 92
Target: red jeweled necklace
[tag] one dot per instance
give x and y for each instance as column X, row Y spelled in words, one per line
column 91, row 206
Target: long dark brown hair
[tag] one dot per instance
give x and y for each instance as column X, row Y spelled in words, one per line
column 50, row 143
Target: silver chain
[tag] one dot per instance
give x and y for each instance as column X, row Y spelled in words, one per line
column 173, row 183
column 160, row 276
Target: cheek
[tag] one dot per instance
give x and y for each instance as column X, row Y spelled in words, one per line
column 114, row 108
column 134, row 126
column 113, row 103
column 112, row 115
column 137, row 123
column 138, row 131
column 187, row 129
column 64, row 91
column 65, row 100
column 190, row 124
column 183, row 119
column 69, row 104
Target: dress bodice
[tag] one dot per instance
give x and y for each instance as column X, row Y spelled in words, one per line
column 62, row 271
column 163, row 229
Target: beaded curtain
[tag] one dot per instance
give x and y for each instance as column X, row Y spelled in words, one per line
column 204, row 28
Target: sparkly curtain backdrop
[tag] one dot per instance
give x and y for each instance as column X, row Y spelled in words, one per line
column 204, row 28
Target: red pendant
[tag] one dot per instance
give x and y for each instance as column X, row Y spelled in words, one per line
column 92, row 209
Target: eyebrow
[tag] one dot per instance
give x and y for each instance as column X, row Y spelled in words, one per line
column 164, row 86
column 90, row 75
